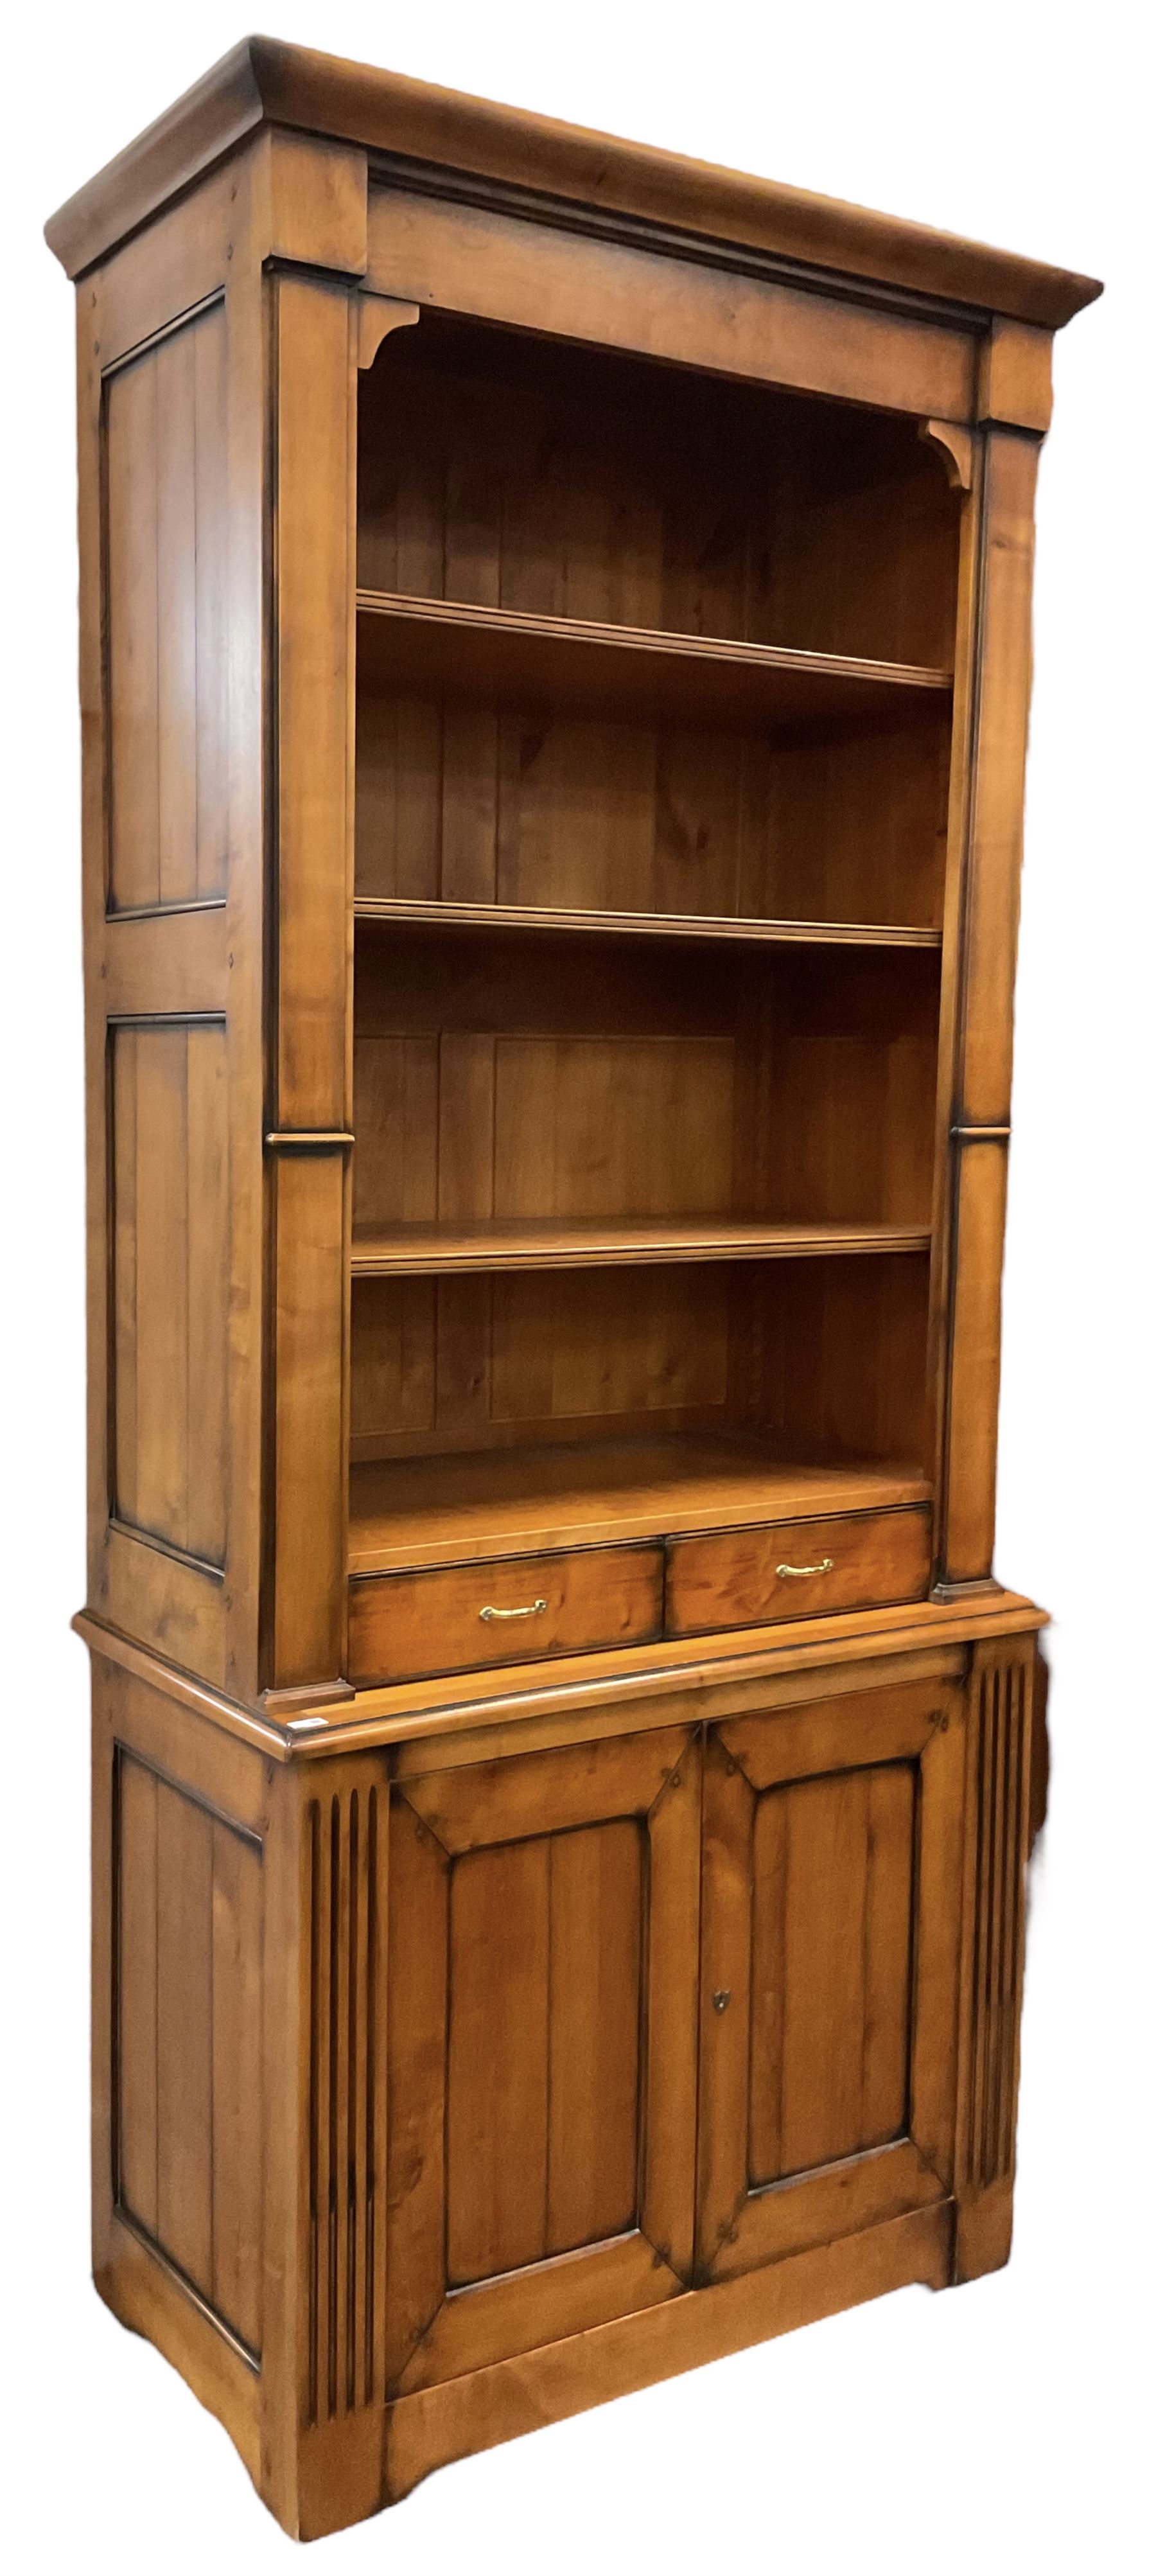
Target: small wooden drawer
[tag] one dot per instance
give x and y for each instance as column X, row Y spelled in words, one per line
column 502, row 1610
column 796, row 1569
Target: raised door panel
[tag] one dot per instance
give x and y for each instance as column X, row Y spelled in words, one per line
column 831, row 1930
column 831, row 1951
column 542, row 2086
column 543, row 1981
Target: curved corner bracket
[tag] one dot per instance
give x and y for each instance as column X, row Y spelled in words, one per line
column 957, row 449
column 377, row 316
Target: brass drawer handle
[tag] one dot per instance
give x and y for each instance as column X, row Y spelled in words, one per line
column 533, row 1610
column 826, row 1565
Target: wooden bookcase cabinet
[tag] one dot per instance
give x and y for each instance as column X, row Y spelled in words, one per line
column 554, row 668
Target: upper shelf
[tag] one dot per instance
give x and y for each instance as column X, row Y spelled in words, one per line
column 399, row 1251
column 645, row 925
column 427, row 645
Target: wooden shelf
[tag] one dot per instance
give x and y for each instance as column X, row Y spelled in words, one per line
column 645, row 925
column 390, row 1252
column 430, row 1511
column 427, row 645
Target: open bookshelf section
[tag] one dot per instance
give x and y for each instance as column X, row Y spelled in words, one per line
column 640, row 646
column 653, row 749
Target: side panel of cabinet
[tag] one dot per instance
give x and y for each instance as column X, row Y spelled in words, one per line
column 215, row 395
column 833, row 1857
column 185, row 2044
column 542, row 1993
column 190, row 1930
column 238, row 2132
column 172, row 467
column 154, row 507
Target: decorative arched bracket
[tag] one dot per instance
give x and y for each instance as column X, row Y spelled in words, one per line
column 957, row 449
column 378, row 315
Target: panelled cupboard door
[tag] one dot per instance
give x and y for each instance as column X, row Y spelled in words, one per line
column 543, row 1993
column 832, row 1872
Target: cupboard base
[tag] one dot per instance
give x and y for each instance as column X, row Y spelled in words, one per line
column 426, row 2109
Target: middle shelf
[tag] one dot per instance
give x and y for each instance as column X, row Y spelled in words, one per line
column 590, row 922
column 577, row 663
column 399, row 1251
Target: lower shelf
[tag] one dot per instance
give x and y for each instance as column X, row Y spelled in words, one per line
column 433, row 1511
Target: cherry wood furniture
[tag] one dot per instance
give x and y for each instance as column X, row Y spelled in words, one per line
column 554, row 669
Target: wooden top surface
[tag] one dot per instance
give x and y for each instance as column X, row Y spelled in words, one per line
column 577, row 1690
column 263, row 82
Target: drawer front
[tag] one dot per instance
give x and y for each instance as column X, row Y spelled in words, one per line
column 796, row 1570
column 502, row 1610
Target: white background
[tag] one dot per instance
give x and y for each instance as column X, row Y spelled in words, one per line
column 999, row 2425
